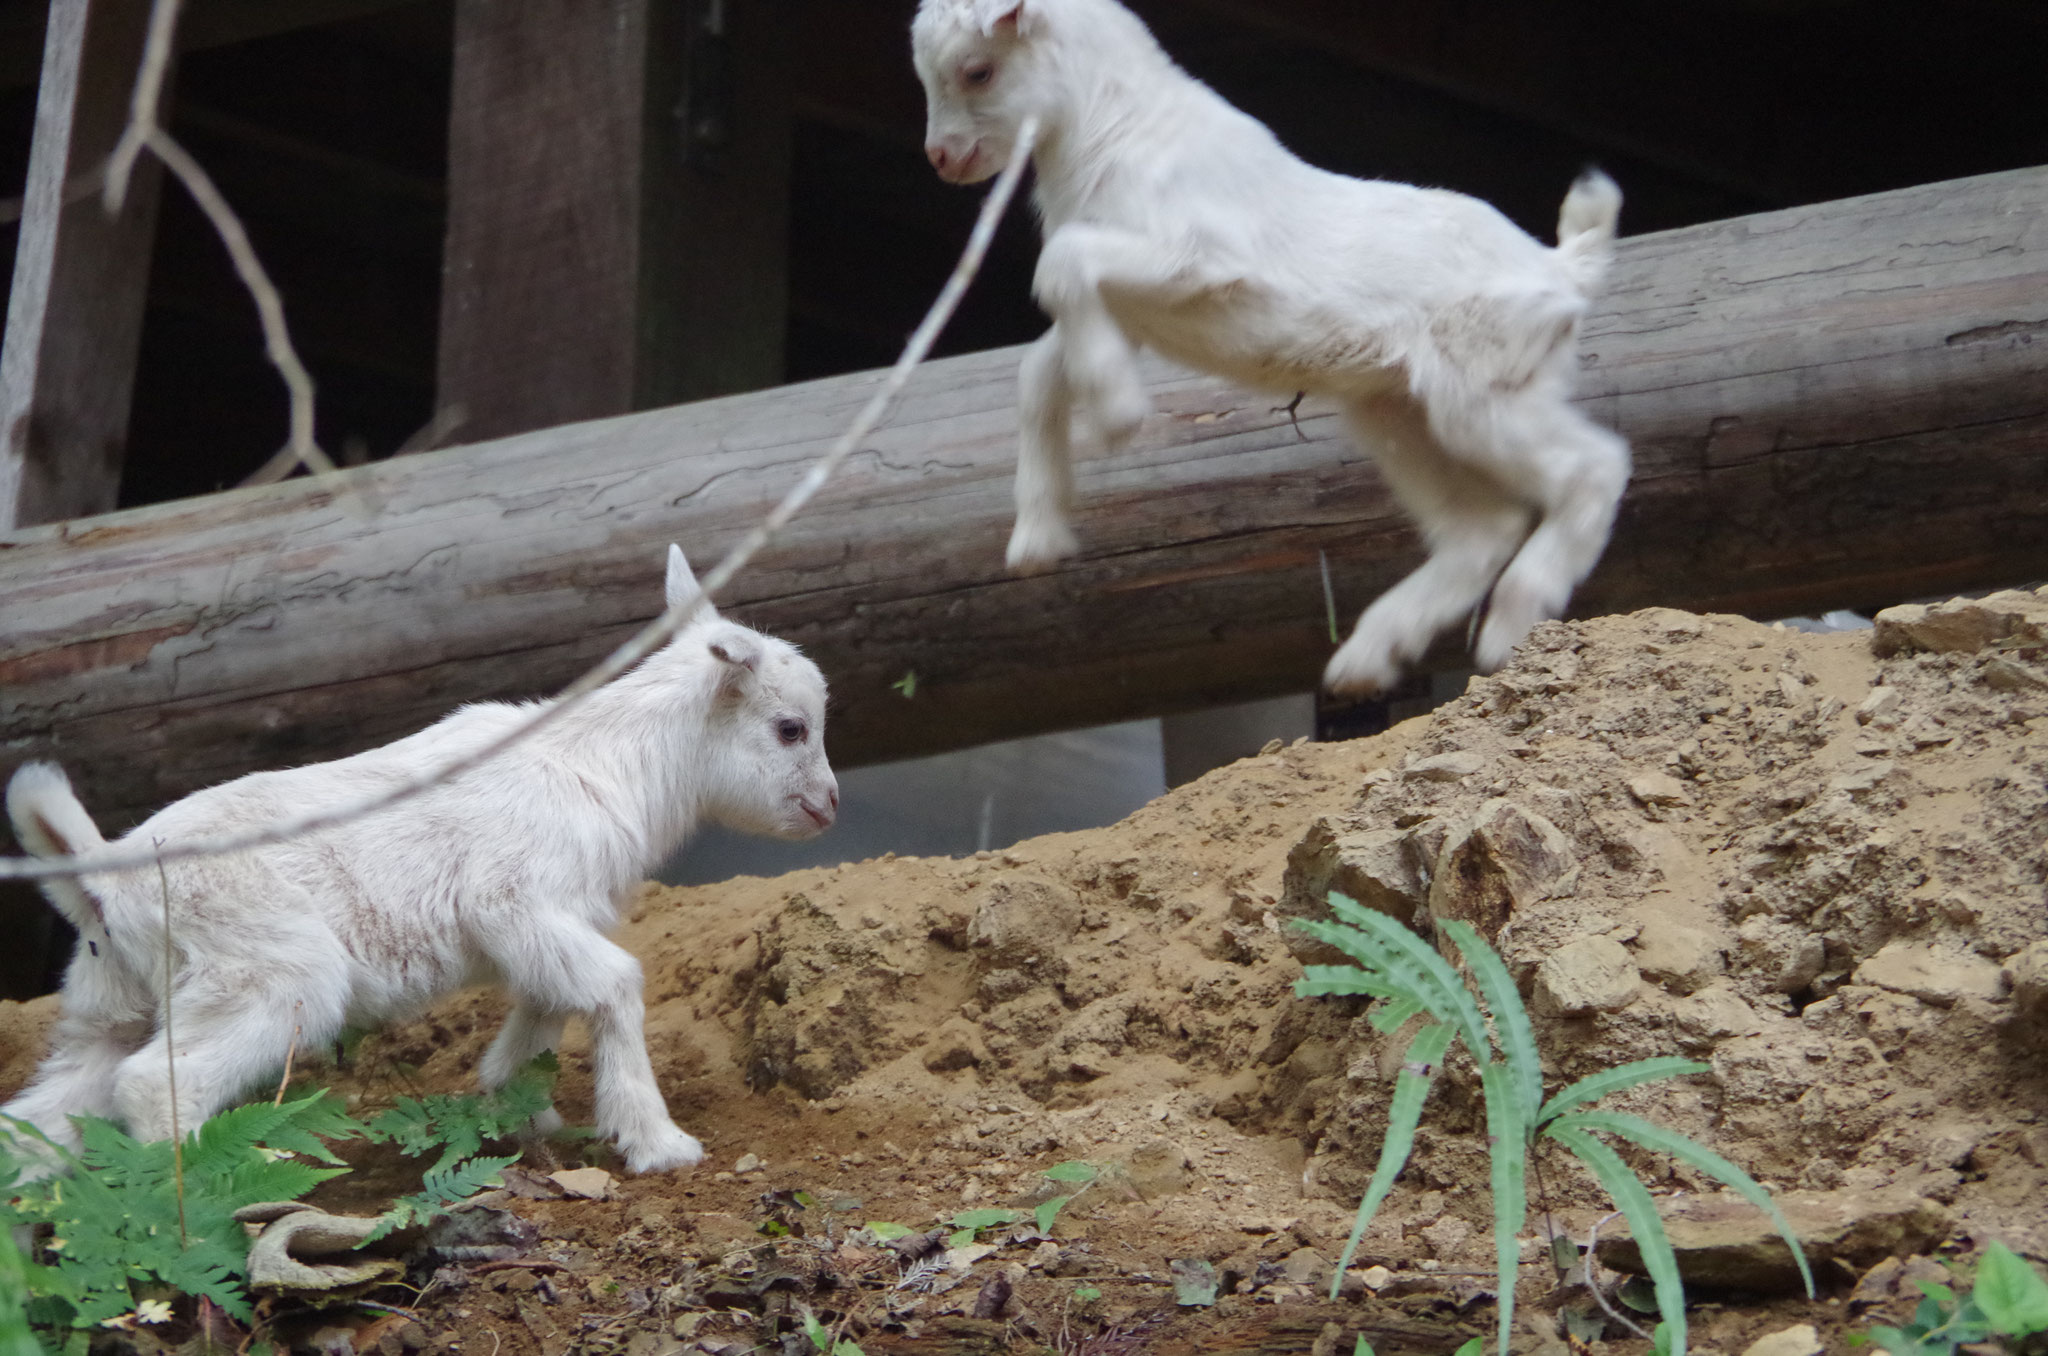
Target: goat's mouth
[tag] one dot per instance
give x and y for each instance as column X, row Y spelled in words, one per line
column 822, row 819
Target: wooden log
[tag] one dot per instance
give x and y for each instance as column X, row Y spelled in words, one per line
column 1831, row 406
column 618, row 180
column 81, row 277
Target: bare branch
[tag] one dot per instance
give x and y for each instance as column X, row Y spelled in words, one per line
column 651, row 637
column 144, row 105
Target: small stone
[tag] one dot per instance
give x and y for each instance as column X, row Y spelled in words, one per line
column 2005, row 674
column 590, row 1184
column 2027, row 973
column 1881, row 704
column 748, row 1163
column 1156, row 1168
column 1962, row 625
column 1801, row 1340
column 1501, row 860
column 1444, row 767
column 1680, row 958
column 1379, row 868
column 1725, row 1243
column 1305, row 1266
column 1375, row 1278
column 1593, row 974
column 1787, row 957
column 1659, row 788
column 1931, row 974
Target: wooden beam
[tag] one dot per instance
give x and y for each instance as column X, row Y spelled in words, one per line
column 81, row 277
column 602, row 256
column 1831, row 406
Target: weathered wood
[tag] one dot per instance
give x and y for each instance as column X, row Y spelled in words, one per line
column 1831, row 406
column 599, row 259
column 81, row 277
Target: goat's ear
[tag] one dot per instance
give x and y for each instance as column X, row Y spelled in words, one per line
column 740, row 653
column 1005, row 16
column 681, row 584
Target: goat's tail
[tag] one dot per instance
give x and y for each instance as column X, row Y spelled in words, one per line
column 1585, row 228
column 50, row 822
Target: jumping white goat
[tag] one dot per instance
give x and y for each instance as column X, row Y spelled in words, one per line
column 512, row 874
column 1174, row 221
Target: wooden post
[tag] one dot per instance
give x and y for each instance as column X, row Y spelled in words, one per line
column 74, row 316
column 602, row 255
column 1831, row 406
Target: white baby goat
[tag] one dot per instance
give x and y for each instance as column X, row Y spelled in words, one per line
column 511, row 874
column 1174, row 221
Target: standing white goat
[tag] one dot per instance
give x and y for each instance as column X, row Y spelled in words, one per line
column 512, row 873
column 1174, row 221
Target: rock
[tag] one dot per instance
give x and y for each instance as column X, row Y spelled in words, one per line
column 956, row 1045
column 1880, row 708
column 1962, row 625
column 2002, row 673
column 1305, row 1266
column 1931, row 974
column 1024, row 923
column 1444, row 767
column 1715, row 1012
column 748, row 1163
column 1682, row 959
column 1380, row 868
column 590, row 1184
column 1156, row 1168
column 1725, row 1243
column 2027, row 974
column 1785, row 956
column 1801, row 1340
column 1502, row 859
column 1593, row 974
column 1659, row 788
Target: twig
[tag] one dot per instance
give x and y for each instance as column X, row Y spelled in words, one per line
column 289, row 1051
column 171, row 1050
column 277, row 340
column 649, row 638
column 143, row 106
column 1292, row 409
column 1593, row 1281
column 1329, row 596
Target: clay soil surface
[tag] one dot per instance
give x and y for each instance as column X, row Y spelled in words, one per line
column 1814, row 862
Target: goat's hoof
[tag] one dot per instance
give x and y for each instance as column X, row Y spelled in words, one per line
column 1036, row 548
column 1356, row 671
column 663, row 1152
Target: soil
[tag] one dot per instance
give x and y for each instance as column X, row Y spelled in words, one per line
column 1815, row 862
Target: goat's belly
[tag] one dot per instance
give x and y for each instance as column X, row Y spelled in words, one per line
column 1282, row 358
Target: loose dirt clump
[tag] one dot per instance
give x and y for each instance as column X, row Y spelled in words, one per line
column 1818, row 863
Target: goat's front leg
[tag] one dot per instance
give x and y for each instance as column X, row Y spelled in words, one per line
column 1082, row 268
column 559, row 965
column 526, row 1033
column 1045, row 462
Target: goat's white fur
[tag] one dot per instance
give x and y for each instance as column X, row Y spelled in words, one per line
column 513, row 874
column 1176, row 222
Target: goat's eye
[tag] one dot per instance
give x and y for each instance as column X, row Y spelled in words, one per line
column 978, row 75
column 791, row 731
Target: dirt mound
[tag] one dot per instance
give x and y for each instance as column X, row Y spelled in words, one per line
column 1818, row 862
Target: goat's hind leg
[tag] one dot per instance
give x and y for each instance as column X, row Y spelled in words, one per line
column 103, row 1021
column 1045, row 462
column 1575, row 472
column 1472, row 529
column 526, row 1033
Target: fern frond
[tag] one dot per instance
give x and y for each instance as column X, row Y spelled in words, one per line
column 1657, row 1139
column 1511, row 1028
column 1411, row 1087
column 1508, row 1148
column 1417, row 965
column 1593, row 1087
column 1643, row 1222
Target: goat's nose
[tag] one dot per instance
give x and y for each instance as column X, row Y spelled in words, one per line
column 833, row 796
column 936, row 153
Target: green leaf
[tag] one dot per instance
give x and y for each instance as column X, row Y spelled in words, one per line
column 1508, row 1147
column 2012, row 1294
column 1362, row 1347
column 1411, row 1087
column 1660, row 1140
column 1389, row 1016
column 883, row 1230
column 1510, row 1019
column 1073, row 1170
column 1194, row 1282
column 1595, row 1086
column 1086, row 1294
column 1048, row 1211
column 985, row 1218
column 1899, row 1344
column 1475, row 1347
column 820, row 1336
column 1643, row 1222
column 959, row 1238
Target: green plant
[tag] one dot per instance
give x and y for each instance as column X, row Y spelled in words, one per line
column 2009, row 1303
column 1475, row 1347
column 126, row 1216
column 1413, row 980
column 822, row 1338
column 968, row 1224
column 16, row 1337
column 458, row 1123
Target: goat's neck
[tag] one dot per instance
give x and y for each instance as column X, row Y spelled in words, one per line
column 632, row 741
column 1121, row 105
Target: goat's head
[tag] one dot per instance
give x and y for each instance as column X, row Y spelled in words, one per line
column 983, row 70
column 764, row 768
